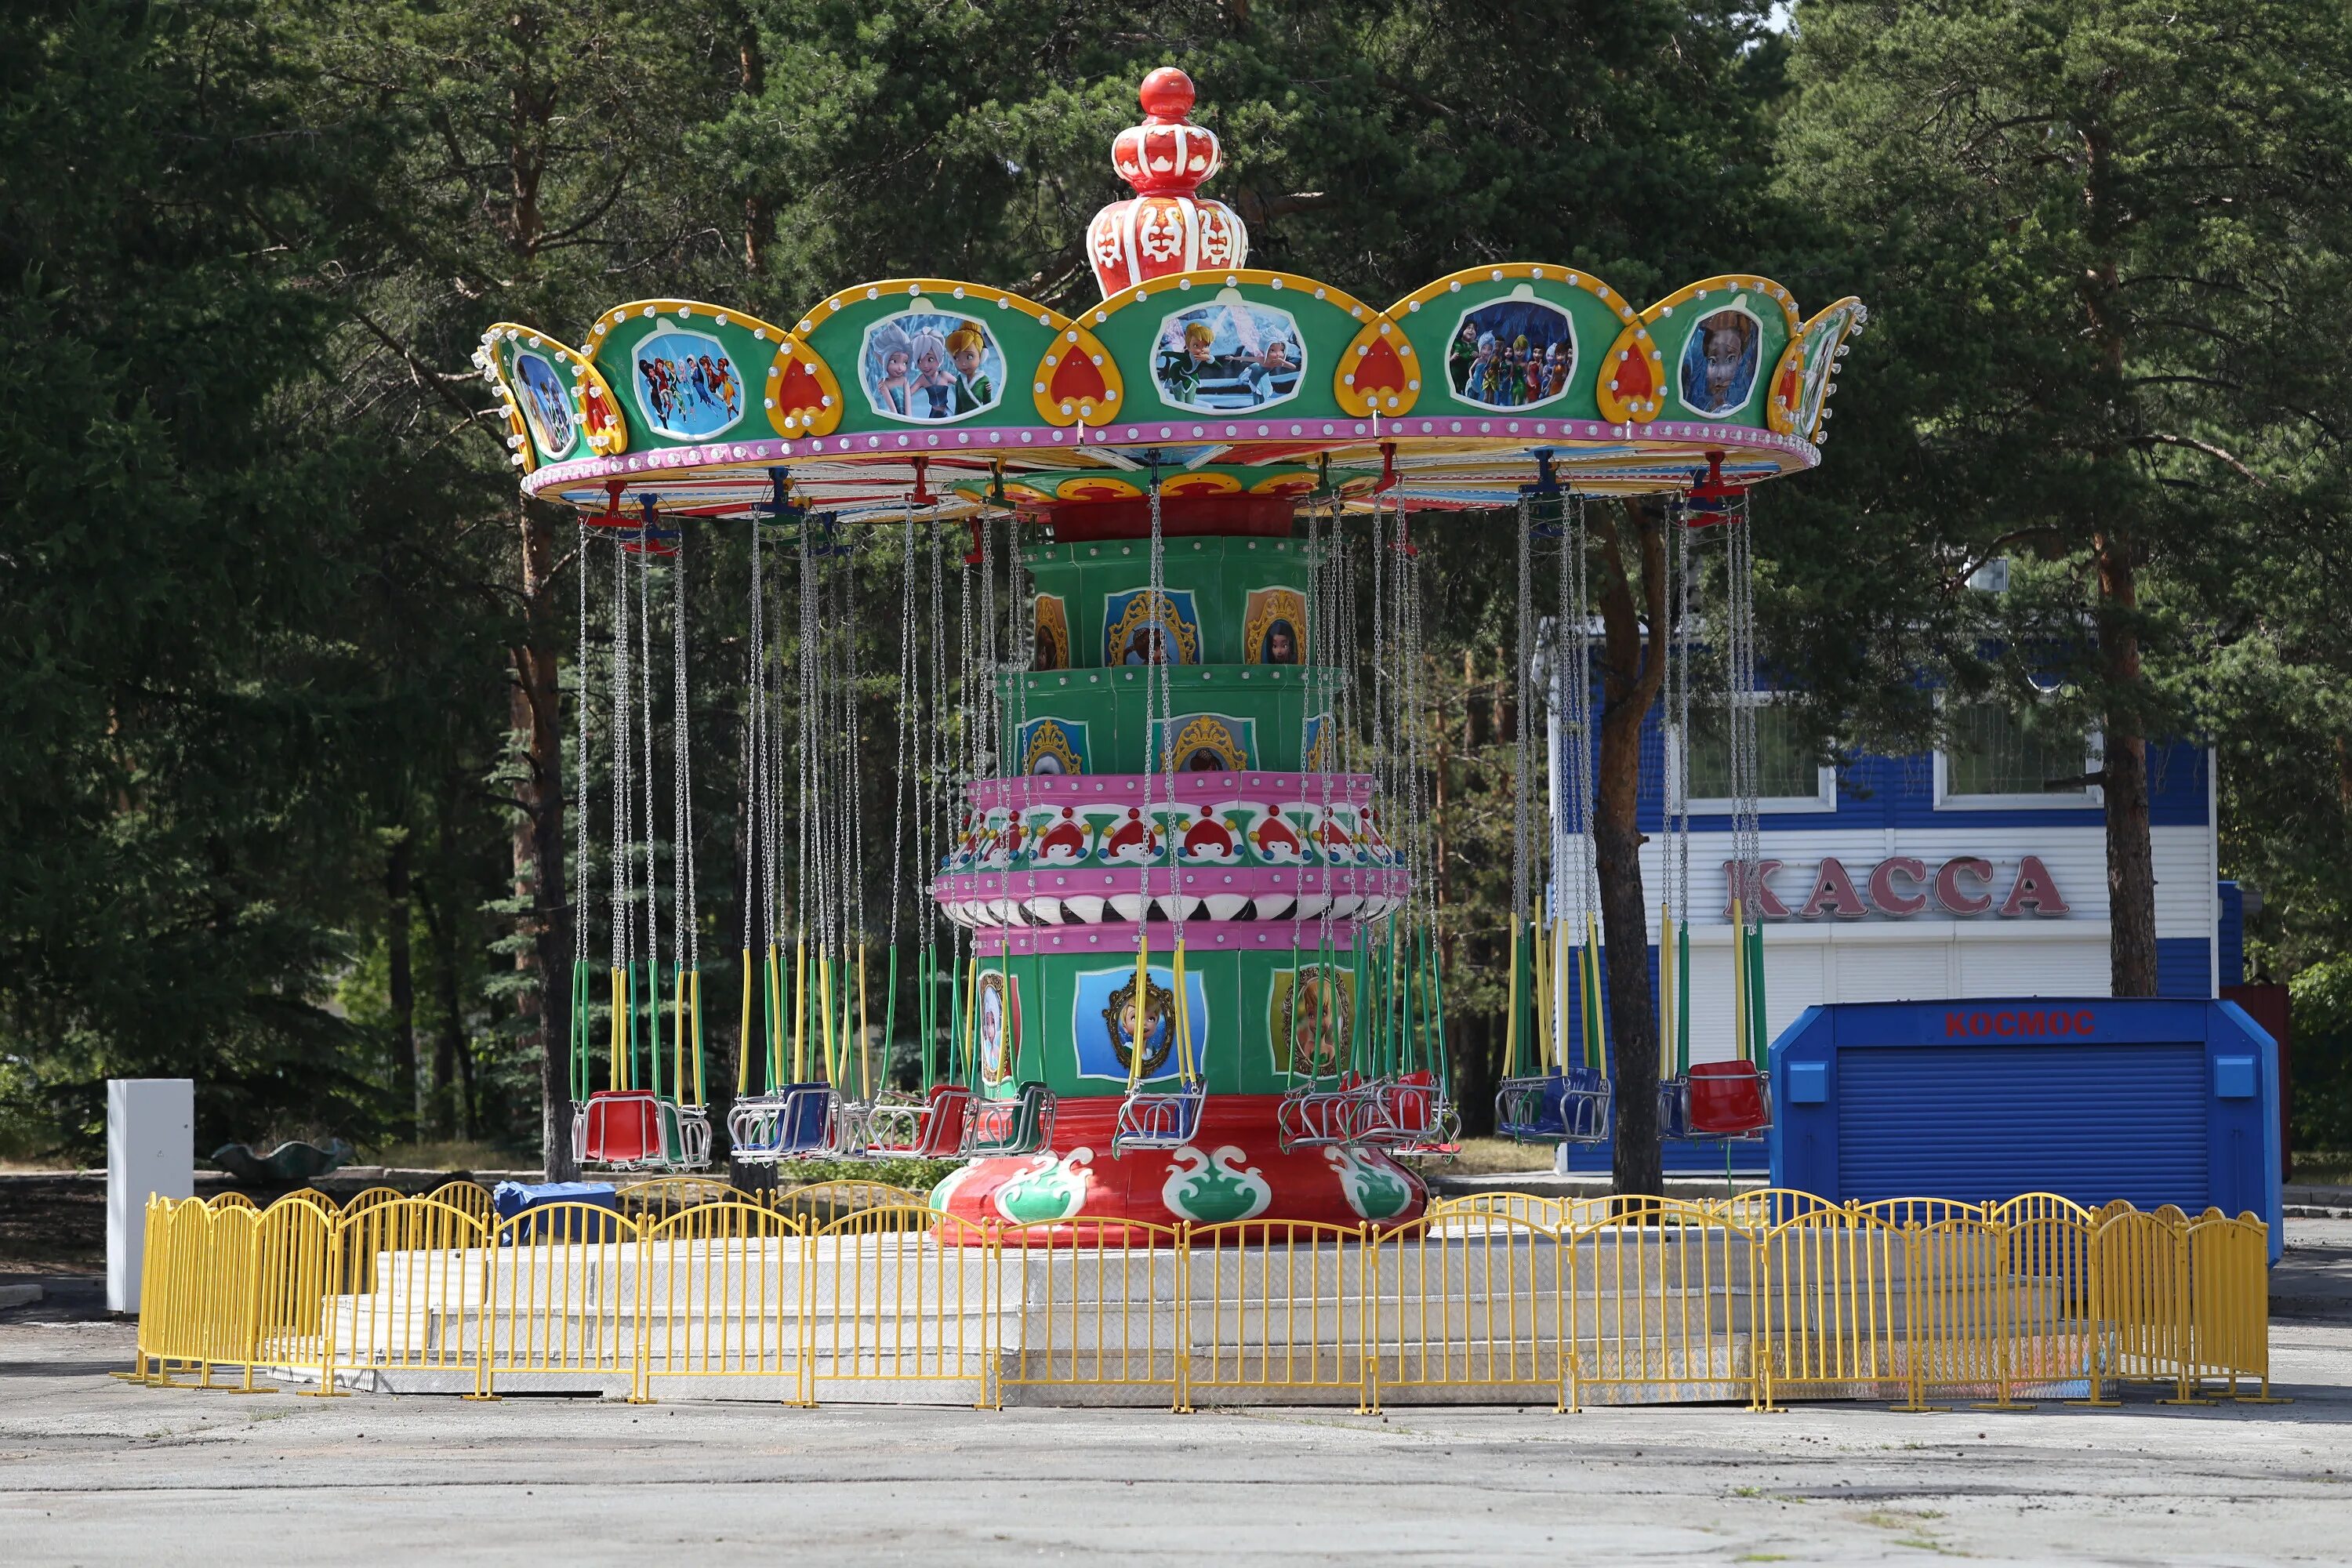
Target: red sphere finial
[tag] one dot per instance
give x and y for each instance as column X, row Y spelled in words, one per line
column 1166, row 95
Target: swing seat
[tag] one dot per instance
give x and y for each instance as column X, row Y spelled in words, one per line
column 621, row 1129
column 940, row 1134
column 1411, row 1115
column 795, row 1122
column 1159, row 1120
column 1674, row 1107
column 994, row 1129
column 686, row 1136
column 1728, row 1100
column 1326, row 1117
column 1560, row 1106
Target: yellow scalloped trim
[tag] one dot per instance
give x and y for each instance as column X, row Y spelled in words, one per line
column 678, row 310
column 1508, row 272
column 941, row 290
column 1779, row 410
column 1392, row 401
column 1069, row 409
column 1095, row 487
column 797, row 416
column 606, row 428
column 1753, row 283
column 1217, row 278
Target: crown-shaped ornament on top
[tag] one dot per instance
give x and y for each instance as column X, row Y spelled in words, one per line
column 1164, row 229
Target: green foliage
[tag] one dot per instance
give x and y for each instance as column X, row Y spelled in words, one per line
column 2322, row 1000
column 261, row 595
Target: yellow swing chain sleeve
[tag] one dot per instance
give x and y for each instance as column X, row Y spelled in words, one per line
column 1596, row 1055
column 620, row 1015
column 1184, row 1022
column 1142, row 1031
column 743, row 1032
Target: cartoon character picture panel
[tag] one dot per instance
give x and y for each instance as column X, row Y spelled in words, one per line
column 928, row 366
column 1133, row 634
column 1053, row 641
column 1227, row 355
column 1105, row 1022
column 1204, row 743
column 1513, row 354
column 1310, row 1019
column 998, row 1023
column 1053, row 747
column 1719, row 362
column 1274, row 626
column 546, row 405
column 687, row 388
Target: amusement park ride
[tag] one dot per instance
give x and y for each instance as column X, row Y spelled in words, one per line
column 1190, row 968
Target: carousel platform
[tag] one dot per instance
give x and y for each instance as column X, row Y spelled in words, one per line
column 1476, row 1310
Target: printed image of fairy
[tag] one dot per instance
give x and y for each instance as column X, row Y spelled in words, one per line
column 927, row 367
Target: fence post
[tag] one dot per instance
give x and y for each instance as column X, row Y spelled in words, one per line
column 2004, row 1271
column 2095, row 1317
column 641, row 1357
column 2182, row 1315
column 2251, row 1238
column 329, row 1311
column 484, row 1392
column 1368, row 1322
column 1180, row 1359
column 991, row 1264
column 1760, row 1327
column 1914, row 1350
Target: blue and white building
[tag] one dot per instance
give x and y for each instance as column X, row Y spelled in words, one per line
column 1931, row 876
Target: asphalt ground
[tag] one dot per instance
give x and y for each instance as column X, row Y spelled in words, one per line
column 97, row 1471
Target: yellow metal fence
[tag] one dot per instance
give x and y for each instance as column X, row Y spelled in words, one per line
column 860, row 1292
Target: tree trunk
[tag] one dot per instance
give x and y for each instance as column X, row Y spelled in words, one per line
column 453, row 1075
column 1631, row 676
column 400, row 983
column 2131, row 862
column 538, row 869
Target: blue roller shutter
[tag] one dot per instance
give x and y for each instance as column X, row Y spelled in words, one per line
column 1987, row 1123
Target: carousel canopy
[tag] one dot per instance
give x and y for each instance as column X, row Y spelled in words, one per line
column 1196, row 370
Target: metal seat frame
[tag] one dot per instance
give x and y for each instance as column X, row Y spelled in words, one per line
column 1159, row 1120
column 1571, row 1106
column 795, row 1122
column 997, row 1128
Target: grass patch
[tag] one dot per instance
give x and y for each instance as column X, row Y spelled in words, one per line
column 1490, row 1157
column 447, row 1154
column 2324, row 1168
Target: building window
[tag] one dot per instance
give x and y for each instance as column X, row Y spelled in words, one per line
column 1993, row 753
column 1787, row 776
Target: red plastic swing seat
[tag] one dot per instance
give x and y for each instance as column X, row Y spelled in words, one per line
column 1728, row 1100
column 620, row 1127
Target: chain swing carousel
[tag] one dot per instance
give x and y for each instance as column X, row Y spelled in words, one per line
column 1188, row 969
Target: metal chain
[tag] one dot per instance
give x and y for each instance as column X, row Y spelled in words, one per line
column 623, row 923
column 580, row 777
column 1523, row 691
column 682, row 898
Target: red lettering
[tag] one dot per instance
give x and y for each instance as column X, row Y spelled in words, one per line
column 1832, row 894
column 2032, row 1023
column 1980, row 1023
column 1762, row 903
column 2004, row 1022
column 1948, row 885
column 1955, row 1023
column 2083, row 1023
column 2034, row 890
column 1884, row 893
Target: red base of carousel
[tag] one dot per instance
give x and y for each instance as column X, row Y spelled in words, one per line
column 1234, row 1170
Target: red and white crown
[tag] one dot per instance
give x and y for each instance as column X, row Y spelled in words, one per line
column 1164, row 228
